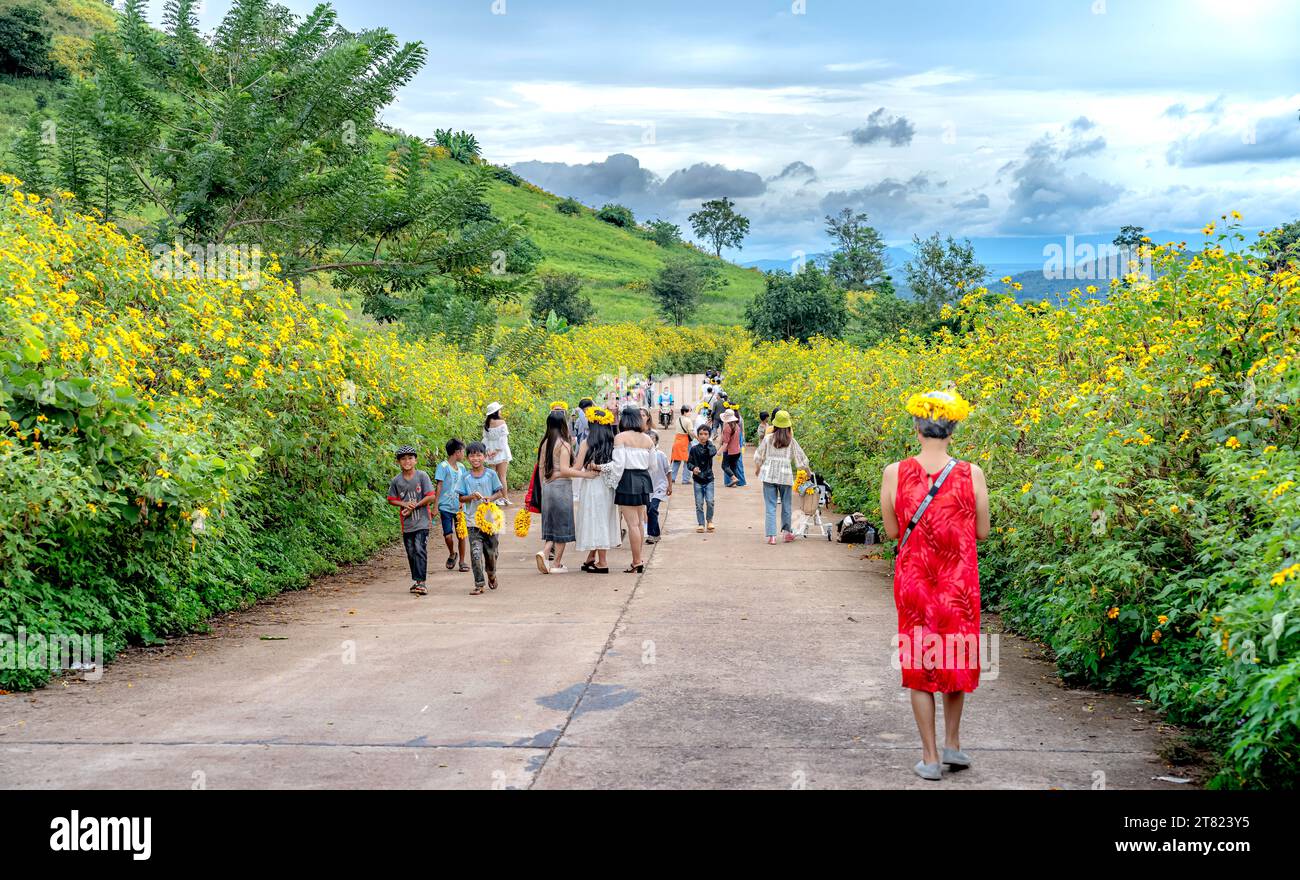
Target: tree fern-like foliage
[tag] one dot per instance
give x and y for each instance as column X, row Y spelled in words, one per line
column 461, row 145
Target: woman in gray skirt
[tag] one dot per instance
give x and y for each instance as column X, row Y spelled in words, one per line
column 555, row 466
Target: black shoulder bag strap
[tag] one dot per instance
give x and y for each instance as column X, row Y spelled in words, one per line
column 934, row 490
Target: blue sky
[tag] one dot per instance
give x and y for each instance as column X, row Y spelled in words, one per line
column 1012, row 123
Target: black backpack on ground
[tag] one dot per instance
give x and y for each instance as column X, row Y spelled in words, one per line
column 857, row 529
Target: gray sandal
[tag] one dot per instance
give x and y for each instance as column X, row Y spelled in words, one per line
column 956, row 758
column 928, row 771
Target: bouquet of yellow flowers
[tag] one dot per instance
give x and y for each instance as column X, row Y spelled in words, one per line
column 462, row 530
column 489, row 519
column 947, row 405
column 523, row 522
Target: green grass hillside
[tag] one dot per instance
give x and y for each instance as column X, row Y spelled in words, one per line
column 616, row 263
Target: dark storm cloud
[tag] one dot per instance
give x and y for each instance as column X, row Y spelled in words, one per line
column 795, row 171
column 619, row 176
column 1270, row 140
column 705, row 181
column 1045, row 197
column 898, row 130
column 888, row 203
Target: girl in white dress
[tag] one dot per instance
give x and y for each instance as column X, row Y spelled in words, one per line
column 496, row 438
column 597, row 520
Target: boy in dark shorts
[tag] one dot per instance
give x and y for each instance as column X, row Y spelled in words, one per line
column 448, row 476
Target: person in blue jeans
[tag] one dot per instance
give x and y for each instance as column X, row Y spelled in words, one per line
column 777, row 458
column 740, row 462
column 700, row 463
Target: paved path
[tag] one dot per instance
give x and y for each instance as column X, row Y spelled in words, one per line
column 729, row 663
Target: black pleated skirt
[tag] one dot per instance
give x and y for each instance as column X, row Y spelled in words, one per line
column 634, row 489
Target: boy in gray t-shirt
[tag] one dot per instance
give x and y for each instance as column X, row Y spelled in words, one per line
column 412, row 491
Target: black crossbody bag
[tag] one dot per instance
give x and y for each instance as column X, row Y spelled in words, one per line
column 934, row 490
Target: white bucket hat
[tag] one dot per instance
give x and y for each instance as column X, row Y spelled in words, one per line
column 728, row 416
column 492, row 408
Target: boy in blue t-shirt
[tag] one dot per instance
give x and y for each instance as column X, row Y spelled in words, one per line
column 479, row 485
column 448, row 476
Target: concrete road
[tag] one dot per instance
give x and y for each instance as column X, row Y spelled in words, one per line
column 729, row 664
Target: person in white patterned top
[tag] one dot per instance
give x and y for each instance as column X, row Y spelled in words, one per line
column 776, row 459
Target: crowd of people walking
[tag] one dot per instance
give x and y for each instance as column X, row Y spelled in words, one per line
column 600, row 480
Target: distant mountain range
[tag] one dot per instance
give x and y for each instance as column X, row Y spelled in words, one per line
column 1030, row 275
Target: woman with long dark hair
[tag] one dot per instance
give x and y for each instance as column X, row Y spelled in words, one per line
column 633, row 455
column 597, row 526
column 937, row 507
column 556, row 470
column 776, row 459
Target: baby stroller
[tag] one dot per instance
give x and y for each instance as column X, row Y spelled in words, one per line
column 812, row 499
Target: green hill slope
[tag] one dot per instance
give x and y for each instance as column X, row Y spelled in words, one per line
column 617, row 264
column 71, row 26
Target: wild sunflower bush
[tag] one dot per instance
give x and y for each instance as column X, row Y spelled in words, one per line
column 1142, row 463
column 172, row 445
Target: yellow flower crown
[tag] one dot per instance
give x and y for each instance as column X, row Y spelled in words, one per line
column 599, row 415
column 947, row 405
column 559, row 404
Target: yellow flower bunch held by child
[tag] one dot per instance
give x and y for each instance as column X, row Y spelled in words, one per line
column 489, row 518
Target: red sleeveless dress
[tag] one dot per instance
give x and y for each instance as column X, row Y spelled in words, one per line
column 937, row 582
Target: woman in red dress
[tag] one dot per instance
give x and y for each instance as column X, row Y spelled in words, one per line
column 936, row 573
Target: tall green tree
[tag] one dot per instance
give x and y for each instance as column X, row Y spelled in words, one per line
column 266, row 132
column 858, row 261
column 561, row 294
column 1281, row 246
column 799, row 307
column 663, row 233
column 25, row 43
column 1129, row 237
column 718, row 223
column 943, row 271
column 678, row 286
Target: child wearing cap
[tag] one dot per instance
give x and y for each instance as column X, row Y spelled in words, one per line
column 412, row 492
